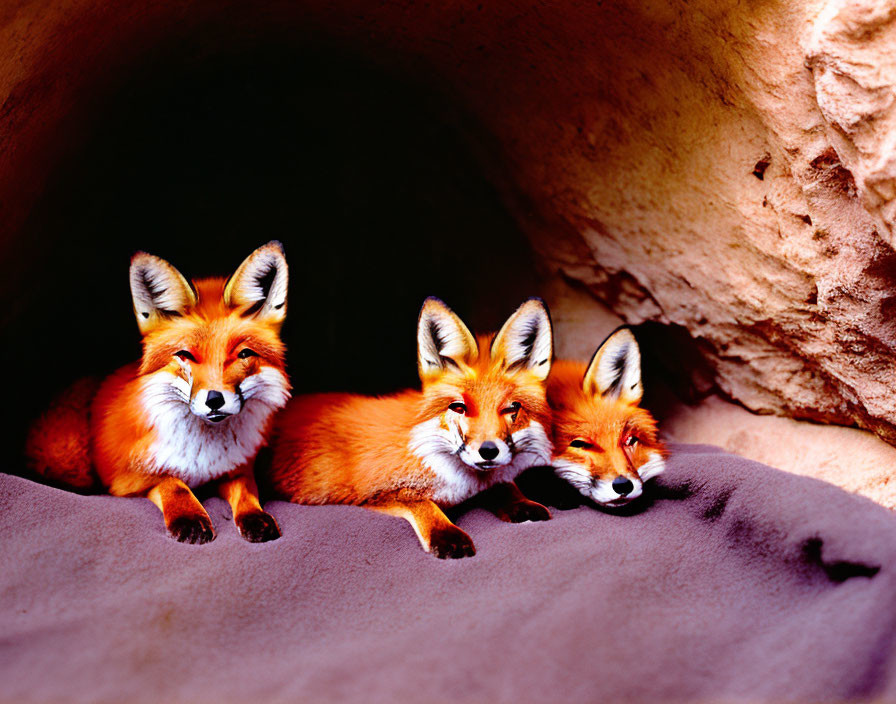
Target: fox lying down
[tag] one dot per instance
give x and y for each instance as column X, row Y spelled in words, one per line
column 480, row 419
column 605, row 444
column 196, row 408
column 203, row 399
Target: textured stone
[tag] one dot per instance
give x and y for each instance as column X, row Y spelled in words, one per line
column 726, row 179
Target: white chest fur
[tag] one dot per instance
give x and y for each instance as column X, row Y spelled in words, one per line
column 193, row 450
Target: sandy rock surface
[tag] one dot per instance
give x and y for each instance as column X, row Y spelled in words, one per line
column 746, row 198
column 853, row 459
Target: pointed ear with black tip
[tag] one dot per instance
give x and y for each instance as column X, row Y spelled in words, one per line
column 158, row 291
column 527, row 340
column 260, row 284
column 443, row 341
column 615, row 369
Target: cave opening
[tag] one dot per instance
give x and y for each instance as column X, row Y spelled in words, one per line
column 363, row 174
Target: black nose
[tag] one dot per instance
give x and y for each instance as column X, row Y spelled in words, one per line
column 215, row 400
column 623, row 486
column 488, row 450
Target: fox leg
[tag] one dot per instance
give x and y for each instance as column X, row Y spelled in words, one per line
column 507, row 502
column 437, row 534
column 253, row 523
column 184, row 516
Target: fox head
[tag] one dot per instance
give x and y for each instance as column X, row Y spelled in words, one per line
column 605, row 445
column 212, row 348
column 484, row 409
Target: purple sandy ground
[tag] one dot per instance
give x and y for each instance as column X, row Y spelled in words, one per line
column 739, row 582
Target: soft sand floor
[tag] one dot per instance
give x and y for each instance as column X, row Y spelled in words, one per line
column 853, row 459
column 737, row 583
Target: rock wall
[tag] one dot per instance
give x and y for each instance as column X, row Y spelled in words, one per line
column 746, row 197
column 724, row 167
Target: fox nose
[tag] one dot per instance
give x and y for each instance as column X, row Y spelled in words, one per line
column 623, row 486
column 488, row 450
column 215, row 399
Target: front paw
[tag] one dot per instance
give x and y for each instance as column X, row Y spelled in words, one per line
column 451, row 543
column 258, row 527
column 192, row 529
column 523, row 511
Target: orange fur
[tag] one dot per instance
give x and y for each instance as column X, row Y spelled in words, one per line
column 620, row 437
column 351, row 449
column 58, row 443
column 213, row 334
column 149, row 432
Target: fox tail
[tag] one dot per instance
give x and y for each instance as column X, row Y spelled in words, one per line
column 58, row 445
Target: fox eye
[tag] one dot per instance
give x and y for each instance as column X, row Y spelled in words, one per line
column 245, row 353
column 457, row 407
column 578, row 442
column 184, row 355
column 513, row 408
column 631, row 441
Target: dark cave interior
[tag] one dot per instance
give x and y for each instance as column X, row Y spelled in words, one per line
column 364, row 176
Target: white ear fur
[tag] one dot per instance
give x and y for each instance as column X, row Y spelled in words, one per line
column 261, row 282
column 158, row 290
column 615, row 369
column 527, row 340
column 443, row 340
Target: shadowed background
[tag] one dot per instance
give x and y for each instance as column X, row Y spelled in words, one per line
column 362, row 175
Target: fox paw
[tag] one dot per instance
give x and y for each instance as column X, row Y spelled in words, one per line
column 192, row 529
column 451, row 543
column 527, row 511
column 258, row 527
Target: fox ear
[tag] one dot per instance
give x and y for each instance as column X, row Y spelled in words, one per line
column 615, row 369
column 443, row 341
column 527, row 341
column 260, row 282
column 158, row 290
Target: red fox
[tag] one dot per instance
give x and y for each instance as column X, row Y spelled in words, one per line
column 196, row 408
column 605, row 445
column 480, row 419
